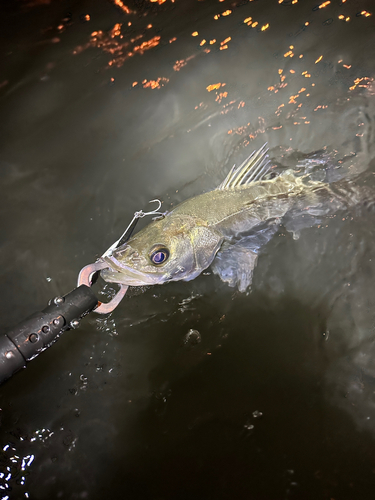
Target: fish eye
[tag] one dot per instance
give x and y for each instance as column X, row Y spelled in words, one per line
column 159, row 256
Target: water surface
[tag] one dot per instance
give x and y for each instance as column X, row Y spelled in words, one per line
column 106, row 105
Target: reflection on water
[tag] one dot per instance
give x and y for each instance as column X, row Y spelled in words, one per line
column 187, row 390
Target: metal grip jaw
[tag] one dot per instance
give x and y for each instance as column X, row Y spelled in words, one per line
column 33, row 335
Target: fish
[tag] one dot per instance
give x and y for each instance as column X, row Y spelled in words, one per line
column 227, row 227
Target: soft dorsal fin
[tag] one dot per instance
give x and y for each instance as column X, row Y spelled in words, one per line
column 251, row 170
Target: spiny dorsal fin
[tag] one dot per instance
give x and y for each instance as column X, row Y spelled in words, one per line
column 251, row 170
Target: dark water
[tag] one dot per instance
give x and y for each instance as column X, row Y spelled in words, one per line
column 274, row 397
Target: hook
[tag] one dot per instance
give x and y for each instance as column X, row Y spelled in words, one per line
column 153, row 212
column 129, row 230
column 89, row 273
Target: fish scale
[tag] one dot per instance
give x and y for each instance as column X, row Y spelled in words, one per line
column 232, row 223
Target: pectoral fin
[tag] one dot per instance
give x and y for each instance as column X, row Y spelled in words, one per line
column 235, row 262
column 235, row 266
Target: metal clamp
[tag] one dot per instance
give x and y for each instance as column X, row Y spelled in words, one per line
column 86, row 277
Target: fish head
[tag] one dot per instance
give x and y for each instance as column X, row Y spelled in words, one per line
column 170, row 249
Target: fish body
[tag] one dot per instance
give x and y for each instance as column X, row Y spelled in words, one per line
column 224, row 228
column 235, row 210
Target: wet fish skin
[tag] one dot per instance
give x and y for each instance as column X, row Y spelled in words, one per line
column 191, row 243
column 236, row 210
column 196, row 230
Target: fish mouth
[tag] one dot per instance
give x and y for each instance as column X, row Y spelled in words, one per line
column 116, row 272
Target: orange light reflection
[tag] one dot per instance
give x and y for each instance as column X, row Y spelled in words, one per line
column 183, row 62
column 155, row 84
column 215, row 86
column 113, row 43
column 122, row 6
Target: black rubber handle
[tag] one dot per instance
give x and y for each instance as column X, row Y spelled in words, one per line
column 40, row 330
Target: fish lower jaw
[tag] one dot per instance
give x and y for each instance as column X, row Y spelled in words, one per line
column 111, row 276
column 125, row 280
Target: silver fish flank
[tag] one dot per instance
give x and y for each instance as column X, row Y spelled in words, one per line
column 225, row 228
